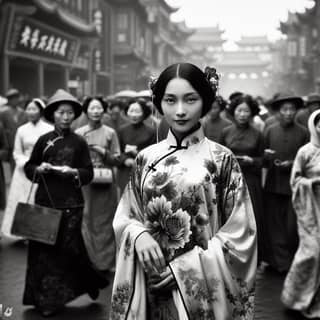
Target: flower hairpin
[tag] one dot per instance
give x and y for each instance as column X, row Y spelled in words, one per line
column 152, row 82
column 213, row 77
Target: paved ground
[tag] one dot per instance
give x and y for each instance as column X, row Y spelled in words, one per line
column 12, row 272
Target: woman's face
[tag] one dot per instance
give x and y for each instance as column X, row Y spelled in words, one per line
column 33, row 112
column 287, row 112
column 181, row 105
column 242, row 114
column 95, row 111
column 135, row 113
column 63, row 116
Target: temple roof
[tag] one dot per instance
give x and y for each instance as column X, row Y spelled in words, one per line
column 242, row 58
column 253, row 41
column 65, row 17
column 182, row 27
column 207, row 35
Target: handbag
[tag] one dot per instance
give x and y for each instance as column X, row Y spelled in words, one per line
column 102, row 175
column 35, row 222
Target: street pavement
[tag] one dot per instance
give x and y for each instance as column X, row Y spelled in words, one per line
column 12, row 274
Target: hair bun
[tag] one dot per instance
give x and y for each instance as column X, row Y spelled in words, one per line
column 212, row 77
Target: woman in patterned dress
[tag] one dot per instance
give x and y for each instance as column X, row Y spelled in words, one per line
column 185, row 227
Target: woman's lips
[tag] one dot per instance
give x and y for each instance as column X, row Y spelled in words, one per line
column 181, row 122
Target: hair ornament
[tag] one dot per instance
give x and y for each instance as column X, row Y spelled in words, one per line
column 212, row 77
column 152, row 82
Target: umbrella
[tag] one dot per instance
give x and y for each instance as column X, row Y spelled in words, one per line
column 144, row 94
column 126, row 94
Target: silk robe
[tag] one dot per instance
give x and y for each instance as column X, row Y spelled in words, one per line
column 191, row 196
column 302, row 285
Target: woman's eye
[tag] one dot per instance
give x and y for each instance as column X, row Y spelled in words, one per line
column 169, row 100
column 191, row 100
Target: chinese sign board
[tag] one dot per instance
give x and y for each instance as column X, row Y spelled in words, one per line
column 31, row 37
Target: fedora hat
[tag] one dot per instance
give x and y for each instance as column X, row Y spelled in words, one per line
column 313, row 98
column 61, row 96
column 286, row 97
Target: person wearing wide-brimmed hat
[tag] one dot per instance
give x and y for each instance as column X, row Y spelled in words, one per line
column 61, row 163
column 26, row 137
column 312, row 104
column 12, row 116
column 281, row 142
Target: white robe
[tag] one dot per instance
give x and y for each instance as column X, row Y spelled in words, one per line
column 25, row 139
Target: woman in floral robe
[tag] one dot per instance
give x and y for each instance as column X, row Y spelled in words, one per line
column 185, row 227
column 302, row 285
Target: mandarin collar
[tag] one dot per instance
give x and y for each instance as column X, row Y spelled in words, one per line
column 194, row 137
column 62, row 133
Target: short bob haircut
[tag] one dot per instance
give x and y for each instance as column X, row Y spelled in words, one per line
column 88, row 100
column 248, row 100
column 193, row 75
column 144, row 106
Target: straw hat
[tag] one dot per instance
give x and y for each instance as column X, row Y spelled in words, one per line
column 61, row 96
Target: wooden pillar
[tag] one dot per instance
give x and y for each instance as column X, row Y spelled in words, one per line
column 66, row 78
column 6, row 73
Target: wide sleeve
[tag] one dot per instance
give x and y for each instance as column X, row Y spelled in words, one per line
column 303, row 198
column 128, row 294
column 18, row 150
column 83, row 164
column 115, row 144
column 218, row 282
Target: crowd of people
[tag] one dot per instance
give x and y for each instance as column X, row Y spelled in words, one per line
column 190, row 191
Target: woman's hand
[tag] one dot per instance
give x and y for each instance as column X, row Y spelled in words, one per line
column 44, row 167
column 98, row 149
column 245, row 160
column 149, row 253
column 129, row 162
column 162, row 282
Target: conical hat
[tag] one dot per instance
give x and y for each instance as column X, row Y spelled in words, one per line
column 59, row 97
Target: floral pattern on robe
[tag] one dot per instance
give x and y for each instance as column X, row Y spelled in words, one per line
column 193, row 200
column 301, row 289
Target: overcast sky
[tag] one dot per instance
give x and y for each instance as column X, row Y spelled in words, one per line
column 238, row 17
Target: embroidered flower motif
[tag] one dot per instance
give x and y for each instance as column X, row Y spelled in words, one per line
column 171, row 229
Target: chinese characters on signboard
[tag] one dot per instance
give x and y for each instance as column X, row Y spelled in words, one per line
column 29, row 36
